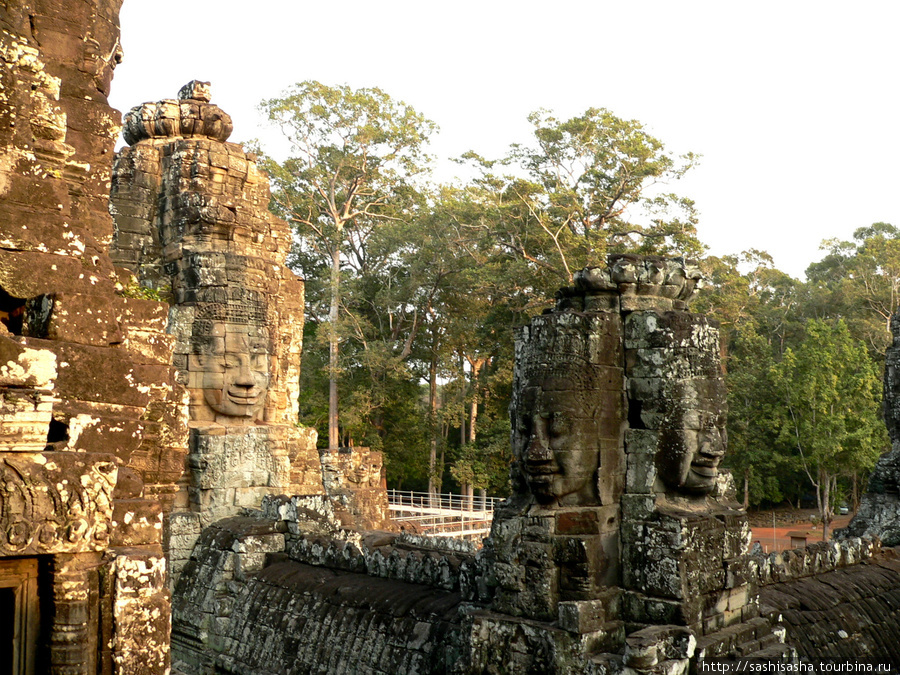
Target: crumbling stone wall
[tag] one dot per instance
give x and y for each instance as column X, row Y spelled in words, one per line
column 92, row 421
column 619, row 547
column 354, row 479
column 305, row 588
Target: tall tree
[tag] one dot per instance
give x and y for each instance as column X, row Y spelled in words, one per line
column 584, row 187
column 751, row 408
column 830, row 398
column 859, row 280
column 354, row 154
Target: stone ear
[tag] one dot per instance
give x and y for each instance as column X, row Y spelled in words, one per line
column 199, row 361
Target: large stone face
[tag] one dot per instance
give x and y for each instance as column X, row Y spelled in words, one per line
column 93, row 428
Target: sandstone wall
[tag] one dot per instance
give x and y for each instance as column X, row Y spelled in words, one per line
column 92, row 421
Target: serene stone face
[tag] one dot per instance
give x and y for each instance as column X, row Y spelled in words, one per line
column 691, row 446
column 235, row 367
column 558, row 448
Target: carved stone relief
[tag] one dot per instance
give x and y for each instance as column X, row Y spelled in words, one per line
column 231, row 361
column 55, row 502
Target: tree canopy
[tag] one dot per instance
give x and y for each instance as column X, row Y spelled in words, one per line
column 414, row 291
column 354, row 155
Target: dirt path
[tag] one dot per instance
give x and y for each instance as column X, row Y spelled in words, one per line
column 778, row 539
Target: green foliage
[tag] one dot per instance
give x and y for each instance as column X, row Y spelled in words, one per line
column 354, row 156
column 751, row 436
column 766, row 324
column 829, row 391
column 422, row 287
column 135, row 290
column 485, row 463
column 860, row 282
column 585, row 187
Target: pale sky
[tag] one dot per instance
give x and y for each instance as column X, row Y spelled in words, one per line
column 793, row 104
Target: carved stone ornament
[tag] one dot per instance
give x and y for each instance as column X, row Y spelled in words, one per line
column 55, row 502
column 191, row 116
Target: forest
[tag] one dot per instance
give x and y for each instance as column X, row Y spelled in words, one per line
column 414, row 291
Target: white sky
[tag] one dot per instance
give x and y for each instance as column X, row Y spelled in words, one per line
column 793, row 104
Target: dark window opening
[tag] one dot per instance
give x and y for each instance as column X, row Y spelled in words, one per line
column 8, row 632
column 634, row 414
column 59, row 431
column 19, row 615
column 12, row 312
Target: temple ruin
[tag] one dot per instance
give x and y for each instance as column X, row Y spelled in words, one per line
column 94, row 428
column 161, row 511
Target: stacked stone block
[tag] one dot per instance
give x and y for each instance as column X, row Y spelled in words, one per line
column 683, row 541
column 568, row 388
column 192, row 224
column 354, row 478
column 92, row 422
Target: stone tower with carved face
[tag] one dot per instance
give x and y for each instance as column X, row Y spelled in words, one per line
column 618, row 428
column 192, row 224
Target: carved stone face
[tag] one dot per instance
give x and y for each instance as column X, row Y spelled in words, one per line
column 690, row 451
column 558, row 447
column 367, row 471
column 235, row 366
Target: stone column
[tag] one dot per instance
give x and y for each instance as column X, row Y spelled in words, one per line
column 619, row 517
column 683, row 536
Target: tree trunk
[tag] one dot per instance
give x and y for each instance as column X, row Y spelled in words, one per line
column 825, row 503
column 333, row 440
column 462, row 402
column 432, row 408
column 477, row 366
column 746, row 488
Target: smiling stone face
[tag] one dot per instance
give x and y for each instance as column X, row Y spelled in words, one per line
column 231, row 365
column 688, row 458
column 565, row 410
column 237, row 377
column 558, row 448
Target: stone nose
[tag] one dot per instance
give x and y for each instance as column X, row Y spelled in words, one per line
column 244, row 376
column 538, row 449
column 712, row 443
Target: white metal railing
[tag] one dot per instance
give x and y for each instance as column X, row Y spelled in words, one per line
column 443, row 514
